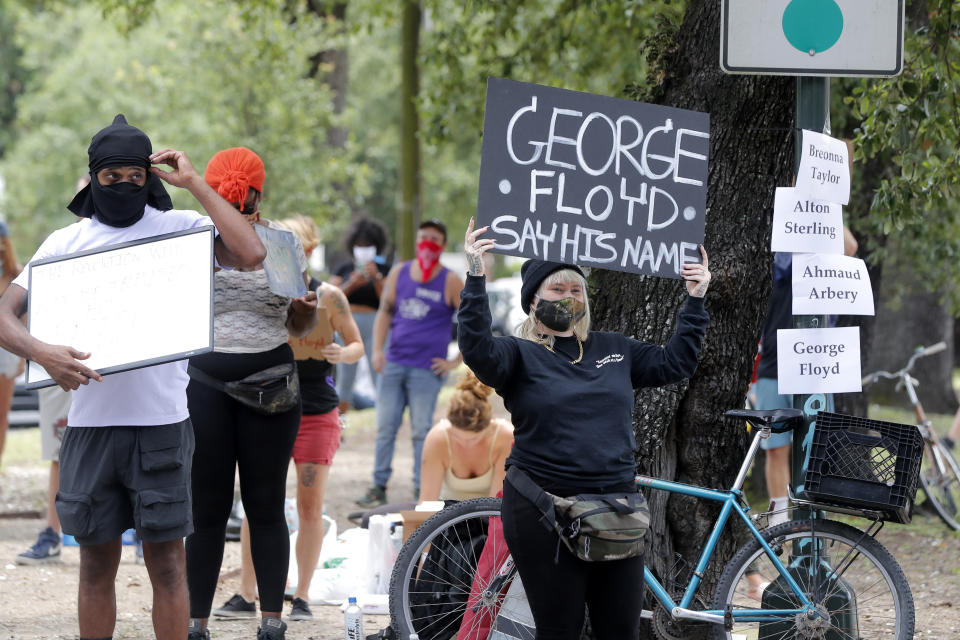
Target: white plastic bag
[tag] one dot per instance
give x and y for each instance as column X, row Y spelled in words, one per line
column 340, row 574
column 381, row 554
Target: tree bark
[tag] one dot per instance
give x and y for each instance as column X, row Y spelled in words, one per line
column 680, row 430
column 408, row 214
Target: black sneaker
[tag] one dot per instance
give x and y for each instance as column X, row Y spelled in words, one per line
column 45, row 549
column 374, row 497
column 272, row 629
column 300, row 610
column 237, row 607
column 195, row 632
column 948, row 442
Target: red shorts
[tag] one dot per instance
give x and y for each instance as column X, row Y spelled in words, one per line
column 318, row 438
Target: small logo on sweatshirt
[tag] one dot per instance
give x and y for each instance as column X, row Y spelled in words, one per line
column 613, row 357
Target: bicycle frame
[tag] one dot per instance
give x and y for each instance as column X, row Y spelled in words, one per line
column 923, row 424
column 731, row 503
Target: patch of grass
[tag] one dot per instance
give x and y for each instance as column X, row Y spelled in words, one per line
column 22, row 448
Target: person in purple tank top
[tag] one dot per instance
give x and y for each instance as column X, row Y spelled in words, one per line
column 416, row 310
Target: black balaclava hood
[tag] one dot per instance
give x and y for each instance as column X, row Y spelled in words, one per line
column 119, row 205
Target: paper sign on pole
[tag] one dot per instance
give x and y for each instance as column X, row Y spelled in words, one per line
column 824, row 172
column 281, row 265
column 829, row 284
column 805, row 225
column 818, row 360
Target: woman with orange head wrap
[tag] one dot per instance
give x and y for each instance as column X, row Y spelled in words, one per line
column 251, row 327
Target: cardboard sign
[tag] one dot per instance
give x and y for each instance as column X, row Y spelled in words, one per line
column 824, row 172
column 129, row 305
column 312, row 344
column 805, row 225
column 829, row 284
column 818, row 360
column 579, row 178
column 282, row 265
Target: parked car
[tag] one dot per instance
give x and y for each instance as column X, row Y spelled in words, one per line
column 24, row 408
column 504, row 297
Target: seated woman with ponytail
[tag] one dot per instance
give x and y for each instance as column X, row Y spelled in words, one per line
column 464, row 454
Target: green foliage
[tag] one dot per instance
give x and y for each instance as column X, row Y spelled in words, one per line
column 910, row 123
column 200, row 76
column 12, row 73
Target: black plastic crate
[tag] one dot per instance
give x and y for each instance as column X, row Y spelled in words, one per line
column 863, row 463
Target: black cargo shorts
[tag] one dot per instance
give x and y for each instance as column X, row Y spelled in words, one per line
column 115, row 478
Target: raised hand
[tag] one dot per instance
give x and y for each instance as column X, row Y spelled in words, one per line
column 182, row 172
column 474, row 247
column 697, row 275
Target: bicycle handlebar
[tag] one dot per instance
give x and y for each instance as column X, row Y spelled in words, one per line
column 920, row 352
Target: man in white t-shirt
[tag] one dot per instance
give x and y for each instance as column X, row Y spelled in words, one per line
column 126, row 455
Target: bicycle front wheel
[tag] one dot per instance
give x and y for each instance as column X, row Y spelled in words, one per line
column 857, row 587
column 438, row 575
column 941, row 483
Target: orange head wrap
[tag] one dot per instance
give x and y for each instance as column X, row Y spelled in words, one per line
column 232, row 172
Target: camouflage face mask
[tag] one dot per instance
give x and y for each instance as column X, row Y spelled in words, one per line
column 559, row 315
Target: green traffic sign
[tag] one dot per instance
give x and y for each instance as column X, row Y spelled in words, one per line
column 812, row 26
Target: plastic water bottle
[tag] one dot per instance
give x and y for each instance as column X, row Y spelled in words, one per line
column 353, row 620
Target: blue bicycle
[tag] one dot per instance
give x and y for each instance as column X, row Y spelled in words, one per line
column 810, row 578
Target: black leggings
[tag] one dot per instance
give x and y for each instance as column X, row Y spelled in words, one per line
column 230, row 435
column 558, row 592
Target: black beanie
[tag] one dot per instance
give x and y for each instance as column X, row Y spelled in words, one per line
column 532, row 273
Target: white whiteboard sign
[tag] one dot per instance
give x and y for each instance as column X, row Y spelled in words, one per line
column 805, row 225
column 830, row 284
column 824, row 172
column 129, row 305
column 798, row 37
column 818, row 360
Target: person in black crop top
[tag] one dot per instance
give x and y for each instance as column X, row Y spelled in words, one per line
column 570, row 394
column 361, row 279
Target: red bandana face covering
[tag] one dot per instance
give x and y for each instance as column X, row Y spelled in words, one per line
column 428, row 254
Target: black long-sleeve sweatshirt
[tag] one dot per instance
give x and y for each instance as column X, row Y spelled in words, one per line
column 573, row 422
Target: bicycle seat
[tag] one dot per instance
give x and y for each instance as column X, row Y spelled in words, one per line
column 784, row 419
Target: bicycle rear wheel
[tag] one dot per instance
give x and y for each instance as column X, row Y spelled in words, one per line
column 430, row 587
column 858, row 588
column 942, row 488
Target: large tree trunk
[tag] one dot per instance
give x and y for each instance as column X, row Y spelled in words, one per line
column 680, row 429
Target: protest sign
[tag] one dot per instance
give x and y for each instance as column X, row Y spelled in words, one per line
column 282, row 266
column 831, row 284
column 579, row 178
column 805, row 225
column 818, row 360
column 312, row 344
column 129, row 305
column 824, row 172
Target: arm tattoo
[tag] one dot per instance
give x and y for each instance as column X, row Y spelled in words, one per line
column 475, row 262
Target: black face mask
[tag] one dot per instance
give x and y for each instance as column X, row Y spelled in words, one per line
column 120, row 204
column 559, row 315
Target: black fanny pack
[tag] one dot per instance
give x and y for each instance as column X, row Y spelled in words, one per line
column 594, row 527
column 270, row 391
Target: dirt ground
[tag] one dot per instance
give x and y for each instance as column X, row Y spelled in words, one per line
column 40, row 602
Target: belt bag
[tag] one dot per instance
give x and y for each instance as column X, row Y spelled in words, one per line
column 270, row 391
column 595, row 527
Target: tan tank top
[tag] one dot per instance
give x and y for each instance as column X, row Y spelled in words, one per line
column 455, row 488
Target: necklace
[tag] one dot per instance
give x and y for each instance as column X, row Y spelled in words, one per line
column 579, row 345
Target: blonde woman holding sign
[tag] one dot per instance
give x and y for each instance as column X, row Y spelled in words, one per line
column 318, row 438
column 570, row 395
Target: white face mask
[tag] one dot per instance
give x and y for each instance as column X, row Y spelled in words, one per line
column 363, row 255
